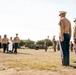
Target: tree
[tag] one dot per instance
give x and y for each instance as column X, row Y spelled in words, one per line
column 48, row 42
column 22, row 43
column 31, row 44
column 40, row 42
column 28, row 42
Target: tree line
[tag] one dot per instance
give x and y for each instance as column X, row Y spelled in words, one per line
column 32, row 44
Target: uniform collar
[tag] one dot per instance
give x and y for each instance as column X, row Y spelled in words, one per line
column 63, row 18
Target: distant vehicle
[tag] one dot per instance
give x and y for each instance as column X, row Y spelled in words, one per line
column 36, row 47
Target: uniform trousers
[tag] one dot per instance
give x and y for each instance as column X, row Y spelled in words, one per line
column 65, row 49
column 16, row 46
column 5, row 47
column 75, row 45
column 0, row 45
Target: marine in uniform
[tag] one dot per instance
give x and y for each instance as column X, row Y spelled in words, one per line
column 65, row 35
column 0, row 42
column 45, row 46
column 16, row 42
column 5, row 43
column 54, row 43
column 74, row 35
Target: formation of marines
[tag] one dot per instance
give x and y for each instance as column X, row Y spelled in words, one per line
column 9, row 45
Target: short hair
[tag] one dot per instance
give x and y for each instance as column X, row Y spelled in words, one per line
column 5, row 35
column 10, row 37
column 16, row 33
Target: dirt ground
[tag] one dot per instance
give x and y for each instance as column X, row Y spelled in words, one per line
column 31, row 53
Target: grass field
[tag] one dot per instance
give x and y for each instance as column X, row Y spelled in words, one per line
column 35, row 62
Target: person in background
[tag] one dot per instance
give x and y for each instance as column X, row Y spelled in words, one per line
column 71, row 46
column 0, row 42
column 54, row 43
column 5, row 43
column 45, row 45
column 74, row 37
column 10, row 45
column 64, row 37
column 16, row 42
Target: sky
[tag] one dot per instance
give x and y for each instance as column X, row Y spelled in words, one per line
column 34, row 19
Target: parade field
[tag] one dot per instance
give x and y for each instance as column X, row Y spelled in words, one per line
column 35, row 62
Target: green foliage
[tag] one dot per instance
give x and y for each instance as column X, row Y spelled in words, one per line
column 28, row 42
column 22, row 43
column 40, row 42
column 48, row 42
column 31, row 44
column 45, row 41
